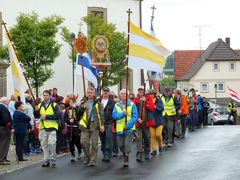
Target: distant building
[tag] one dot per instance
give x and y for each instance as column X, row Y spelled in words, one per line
column 209, row 72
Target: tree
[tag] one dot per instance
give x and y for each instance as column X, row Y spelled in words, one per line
column 117, row 47
column 37, row 48
column 4, row 53
column 168, row 81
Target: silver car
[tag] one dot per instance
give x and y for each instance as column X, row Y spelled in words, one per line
column 218, row 115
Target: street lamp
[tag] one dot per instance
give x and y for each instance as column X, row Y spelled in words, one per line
column 72, row 36
column 215, row 87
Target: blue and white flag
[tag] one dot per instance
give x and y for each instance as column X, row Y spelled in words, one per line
column 90, row 72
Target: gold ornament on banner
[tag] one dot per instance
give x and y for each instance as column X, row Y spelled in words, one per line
column 100, row 47
column 80, row 44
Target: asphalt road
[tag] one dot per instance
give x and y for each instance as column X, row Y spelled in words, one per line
column 211, row 153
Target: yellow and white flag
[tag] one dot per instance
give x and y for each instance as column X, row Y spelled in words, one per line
column 145, row 51
column 17, row 73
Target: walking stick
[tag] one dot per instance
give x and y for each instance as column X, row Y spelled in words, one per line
column 71, row 131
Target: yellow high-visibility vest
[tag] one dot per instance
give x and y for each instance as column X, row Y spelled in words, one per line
column 120, row 123
column 230, row 108
column 83, row 122
column 49, row 111
column 168, row 107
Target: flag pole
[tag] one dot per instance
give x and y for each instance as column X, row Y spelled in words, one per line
column 129, row 16
column 15, row 51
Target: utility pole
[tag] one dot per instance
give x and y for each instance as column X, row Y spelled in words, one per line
column 200, row 35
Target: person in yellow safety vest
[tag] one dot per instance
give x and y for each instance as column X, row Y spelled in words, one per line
column 232, row 110
column 126, row 115
column 169, row 115
column 49, row 114
column 91, row 122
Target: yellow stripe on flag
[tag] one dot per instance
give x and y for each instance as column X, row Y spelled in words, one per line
column 17, row 72
column 144, row 53
column 135, row 30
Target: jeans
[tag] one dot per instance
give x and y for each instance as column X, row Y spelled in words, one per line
column 107, row 141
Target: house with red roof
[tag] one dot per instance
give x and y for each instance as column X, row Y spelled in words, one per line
column 209, row 72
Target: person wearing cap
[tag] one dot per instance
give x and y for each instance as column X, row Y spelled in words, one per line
column 125, row 114
column 169, row 114
column 72, row 117
column 106, row 137
column 91, row 123
column 182, row 111
column 157, row 127
column 145, row 120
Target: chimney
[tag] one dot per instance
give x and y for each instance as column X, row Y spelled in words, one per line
column 1, row 43
column 227, row 41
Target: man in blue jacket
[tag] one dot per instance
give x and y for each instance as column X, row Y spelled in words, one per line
column 126, row 115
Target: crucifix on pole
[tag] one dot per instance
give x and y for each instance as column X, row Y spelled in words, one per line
column 153, row 9
column 129, row 18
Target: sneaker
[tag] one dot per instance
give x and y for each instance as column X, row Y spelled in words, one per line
column 4, row 163
column 139, row 157
column 53, row 163
column 72, row 158
column 146, row 156
column 125, row 161
column 23, row 159
column 153, row 153
column 46, row 164
column 91, row 164
column 160, row 149
column 169, row 145
column 114, row 154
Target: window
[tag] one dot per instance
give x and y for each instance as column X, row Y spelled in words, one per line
column 232, row 66
column 220, row 87
column 204, row 87
column 98, row 11
column 216, row 67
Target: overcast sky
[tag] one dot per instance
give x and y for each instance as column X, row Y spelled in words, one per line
column 174, row 21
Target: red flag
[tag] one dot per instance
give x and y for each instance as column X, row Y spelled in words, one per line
column 234, row 95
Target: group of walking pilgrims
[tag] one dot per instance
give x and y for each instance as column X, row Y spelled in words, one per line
column 149, row 119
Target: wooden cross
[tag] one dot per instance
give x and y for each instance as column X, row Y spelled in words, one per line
column 129, row 13
column 153, row 9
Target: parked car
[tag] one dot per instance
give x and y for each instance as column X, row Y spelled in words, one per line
column 218, row 115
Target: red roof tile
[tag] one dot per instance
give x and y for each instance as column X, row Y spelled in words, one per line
column 183, row 60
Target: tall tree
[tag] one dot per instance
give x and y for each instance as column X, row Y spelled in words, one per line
column 117, row 47
column 37, row 48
